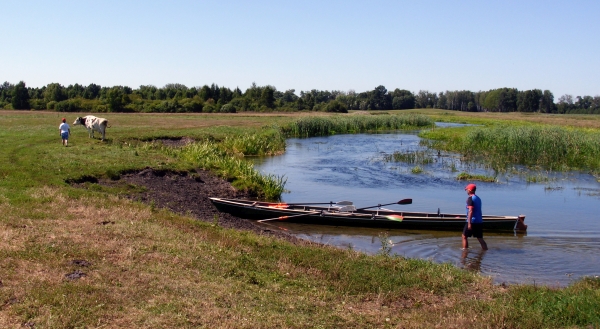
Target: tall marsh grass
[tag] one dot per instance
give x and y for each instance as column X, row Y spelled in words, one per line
column 412, row 157
column 226, row 163
column 474, row 177
column 351, row 124
column 267, row 142
column 549, row 147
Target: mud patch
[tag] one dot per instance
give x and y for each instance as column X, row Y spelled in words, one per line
column 80, row 262
column 77, row 274
column 188, row 193
column 175, row 142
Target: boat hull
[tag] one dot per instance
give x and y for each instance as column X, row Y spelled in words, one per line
column 263, row 211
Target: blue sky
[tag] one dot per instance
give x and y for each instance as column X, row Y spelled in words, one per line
column 303, row 45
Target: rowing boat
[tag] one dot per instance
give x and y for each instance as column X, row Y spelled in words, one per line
column 346, row 214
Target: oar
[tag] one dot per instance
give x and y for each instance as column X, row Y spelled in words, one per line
column 286, row 217
column 403, row 201
column 341, row 203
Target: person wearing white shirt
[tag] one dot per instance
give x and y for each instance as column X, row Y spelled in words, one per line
column 65, row 131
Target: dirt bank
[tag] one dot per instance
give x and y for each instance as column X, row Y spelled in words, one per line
column 188, row 193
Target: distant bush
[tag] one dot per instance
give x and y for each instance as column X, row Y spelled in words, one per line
column 71, row 105
column 337, row 107
column 37, row 104
column 192, row 105
column 102, row 108
column 208, row 108
column 227, row 108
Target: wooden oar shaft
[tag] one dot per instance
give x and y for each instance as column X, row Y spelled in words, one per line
column 303, row 203
column 403, row 201
column 286, row 217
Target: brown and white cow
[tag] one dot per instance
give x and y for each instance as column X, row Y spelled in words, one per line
column 92, row 123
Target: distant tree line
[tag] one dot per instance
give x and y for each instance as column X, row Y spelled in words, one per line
column 178, row 98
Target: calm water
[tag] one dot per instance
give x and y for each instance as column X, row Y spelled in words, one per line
column 563, row 237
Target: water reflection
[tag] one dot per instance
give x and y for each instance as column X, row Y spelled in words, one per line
column 563, row 237
column 472, row 262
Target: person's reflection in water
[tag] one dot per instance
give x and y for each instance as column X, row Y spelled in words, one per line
column 472, row 263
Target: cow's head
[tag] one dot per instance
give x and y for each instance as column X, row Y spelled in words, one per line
column 79, row 121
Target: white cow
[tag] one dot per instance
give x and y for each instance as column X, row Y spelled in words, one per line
column 92, row 124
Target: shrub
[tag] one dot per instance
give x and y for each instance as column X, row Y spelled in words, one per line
column 36, row 104
column 337, row 107
column 227, row 108
column 208, row 108
column 70, row 105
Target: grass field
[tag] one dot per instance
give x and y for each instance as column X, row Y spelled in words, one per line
column 150, row 268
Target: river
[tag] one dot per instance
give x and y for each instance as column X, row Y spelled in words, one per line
column 563, row 237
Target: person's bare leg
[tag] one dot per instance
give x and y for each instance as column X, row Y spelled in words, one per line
column 483, row 244
column 465, row 242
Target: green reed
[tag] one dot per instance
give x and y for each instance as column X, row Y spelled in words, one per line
column 417, row 170
column 549, row 147
column 267, row 142
column 473, row 177
column 227, row 163
column 412, row 157
column 351, row 124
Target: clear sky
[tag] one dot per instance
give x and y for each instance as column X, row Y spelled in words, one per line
column 302, row 45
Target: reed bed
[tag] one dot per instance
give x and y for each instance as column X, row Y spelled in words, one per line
column 229, row 164
column 268, row 142
column 325, row 126
column 548, row 147
column 474, row 177
column 411, row 157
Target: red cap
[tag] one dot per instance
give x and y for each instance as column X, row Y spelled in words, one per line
column 471, row 187
column 63, row 119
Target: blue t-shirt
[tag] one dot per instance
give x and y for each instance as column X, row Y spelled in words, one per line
column 475, row 202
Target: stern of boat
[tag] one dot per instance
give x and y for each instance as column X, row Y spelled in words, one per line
column 520, row 225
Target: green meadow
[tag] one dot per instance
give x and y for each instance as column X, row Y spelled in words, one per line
column 150, row 268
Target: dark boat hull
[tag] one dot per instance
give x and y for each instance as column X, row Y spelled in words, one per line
column 365, row 218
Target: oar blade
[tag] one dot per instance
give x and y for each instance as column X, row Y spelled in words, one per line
column 403, row 201
column 396, row 218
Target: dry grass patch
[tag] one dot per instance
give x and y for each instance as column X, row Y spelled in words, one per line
column 150, row 269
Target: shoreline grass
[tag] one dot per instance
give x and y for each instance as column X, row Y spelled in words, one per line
column 549, row 147
column 351, row 124
column 150, row 268
column 231, row 166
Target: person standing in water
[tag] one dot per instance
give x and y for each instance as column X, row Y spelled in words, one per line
column 474, row 224
column 64, row 131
